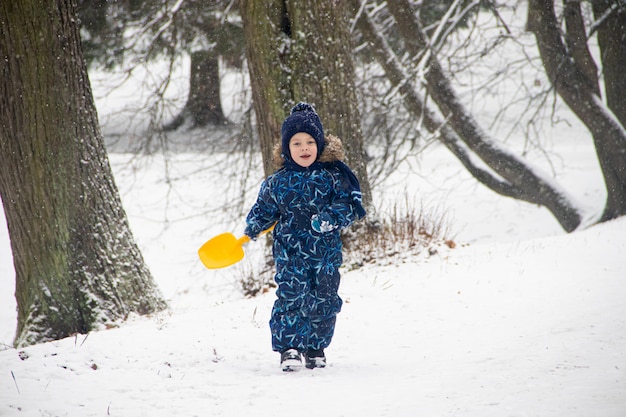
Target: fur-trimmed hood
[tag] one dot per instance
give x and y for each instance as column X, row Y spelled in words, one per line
column 333, row 151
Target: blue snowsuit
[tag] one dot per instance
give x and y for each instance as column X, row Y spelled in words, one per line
column 307, row 262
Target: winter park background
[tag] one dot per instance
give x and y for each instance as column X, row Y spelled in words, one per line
column 519, row 319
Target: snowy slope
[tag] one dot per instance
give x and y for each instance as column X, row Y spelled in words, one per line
column 532, row 328
column 503, row 326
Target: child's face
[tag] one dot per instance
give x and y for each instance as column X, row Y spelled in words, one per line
column 303, row 149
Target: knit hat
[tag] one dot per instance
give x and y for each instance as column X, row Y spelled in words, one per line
column 303, row 118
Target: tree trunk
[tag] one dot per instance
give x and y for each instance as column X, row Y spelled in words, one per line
column 576, row 39
column 76, row 263
column 266, row 31
column 573, row 87
column 323, row 73
column 204, row 105
column 297, row 54
column 507, row 174
column 611, row 17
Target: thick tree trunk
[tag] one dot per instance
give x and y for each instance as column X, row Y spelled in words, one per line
column 77, row 265
column 323, row 73
column 507, row 174
column 204, row 105
column 581, row 97
column 298, row 53
column 266, row 33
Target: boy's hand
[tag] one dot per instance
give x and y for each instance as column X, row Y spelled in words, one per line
column 322, row 223
column 248, row 232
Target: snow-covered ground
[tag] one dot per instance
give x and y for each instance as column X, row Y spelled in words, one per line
column 520, row 319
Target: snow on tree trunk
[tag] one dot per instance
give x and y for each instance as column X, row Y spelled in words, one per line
column 77, row 265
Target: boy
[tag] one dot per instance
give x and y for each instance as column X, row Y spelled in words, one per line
column 311, row 197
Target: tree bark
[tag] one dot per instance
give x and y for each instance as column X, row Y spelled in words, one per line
column 266, row 33
column 76, row 263
column 573, row 87
column 576, row 39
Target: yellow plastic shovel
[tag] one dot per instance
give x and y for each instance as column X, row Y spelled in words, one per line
column 224, row 250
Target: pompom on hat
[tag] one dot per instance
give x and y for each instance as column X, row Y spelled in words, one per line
column 303, row 118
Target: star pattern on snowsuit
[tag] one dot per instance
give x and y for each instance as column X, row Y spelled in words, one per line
column 307, row 262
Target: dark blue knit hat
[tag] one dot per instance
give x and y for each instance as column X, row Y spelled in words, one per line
column 303, row 118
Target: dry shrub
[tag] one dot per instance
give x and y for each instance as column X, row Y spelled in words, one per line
column 255, row 281
column 404, row 232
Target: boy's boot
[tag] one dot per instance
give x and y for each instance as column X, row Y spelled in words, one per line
column 314, row 358
column 290, row 360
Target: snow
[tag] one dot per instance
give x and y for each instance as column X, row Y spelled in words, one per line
column 523, row 320
column 520, row 319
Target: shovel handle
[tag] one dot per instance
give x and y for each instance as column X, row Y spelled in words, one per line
column 268, row 230
column 245, row 238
